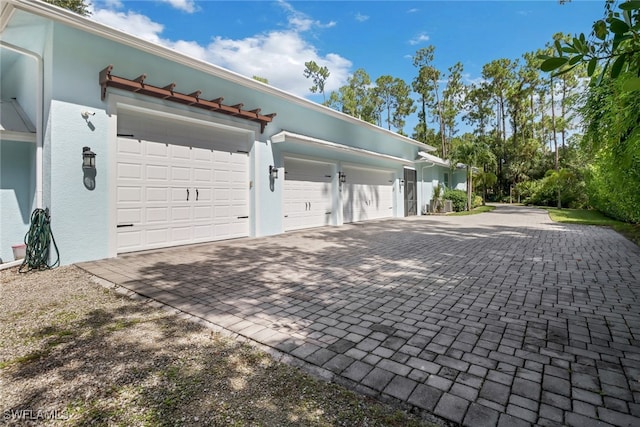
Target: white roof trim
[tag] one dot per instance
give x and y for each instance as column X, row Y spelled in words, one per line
column 9, row 135
column 90, row 26
column 433, row 159
column 308, row 140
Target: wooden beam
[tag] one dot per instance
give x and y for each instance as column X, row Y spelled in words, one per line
column 168, row 93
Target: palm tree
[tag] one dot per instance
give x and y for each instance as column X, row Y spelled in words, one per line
column 472, row 152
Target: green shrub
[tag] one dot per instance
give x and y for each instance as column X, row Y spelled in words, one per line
column 544, row 192
column 476, row 201
column 458, row 199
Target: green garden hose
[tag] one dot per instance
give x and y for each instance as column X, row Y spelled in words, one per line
column 38, row 240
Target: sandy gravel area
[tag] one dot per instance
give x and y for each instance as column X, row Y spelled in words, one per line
column 73, row 352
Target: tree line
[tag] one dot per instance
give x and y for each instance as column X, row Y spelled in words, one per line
column 519, row 117
column 559, row 126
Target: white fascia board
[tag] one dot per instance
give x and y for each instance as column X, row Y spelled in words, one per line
column 8, row 135
column 5, row 15
column 308, row 140
column 429, row 158
column 74, row 20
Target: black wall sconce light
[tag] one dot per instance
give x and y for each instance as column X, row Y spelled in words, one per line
column 89, row 168
column 273, row 175
column 342, row 177
column 273, row 172
column 88, row 158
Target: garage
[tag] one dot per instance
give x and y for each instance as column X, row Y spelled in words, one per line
column 366, row 194
column 175, row 190
column 308, row 194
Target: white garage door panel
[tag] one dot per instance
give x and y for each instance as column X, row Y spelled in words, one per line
column 129, row 194
column 157, row 173
column 155, row 215
column 307, row 194
column 129, row 171
column 180, row 174
column 154, row 208
column 367, row 195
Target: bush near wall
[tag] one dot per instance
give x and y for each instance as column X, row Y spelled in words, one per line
column 458, row 199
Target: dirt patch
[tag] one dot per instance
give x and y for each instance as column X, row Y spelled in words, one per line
column 75, row 353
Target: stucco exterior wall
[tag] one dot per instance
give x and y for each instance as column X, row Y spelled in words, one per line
column 79, row 216
column 83, row 218
column 16, row 193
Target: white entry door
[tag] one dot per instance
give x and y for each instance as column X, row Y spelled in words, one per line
column 366, row 194
column 308, row 195
column 173, row 194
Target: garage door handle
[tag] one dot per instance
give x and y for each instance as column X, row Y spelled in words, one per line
column 187, row 194
column 328, row 213
column 243, row 217
column 197, row 194
column 124, row 225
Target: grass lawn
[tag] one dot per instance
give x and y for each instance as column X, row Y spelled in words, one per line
column 479, row 209
column 592, row 217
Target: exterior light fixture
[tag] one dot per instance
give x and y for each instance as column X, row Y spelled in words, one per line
column 89, row 168
column 342, row 177
column 88, row 158
column 273, row 172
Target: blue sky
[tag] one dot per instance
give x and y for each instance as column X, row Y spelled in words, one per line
column 273, row 39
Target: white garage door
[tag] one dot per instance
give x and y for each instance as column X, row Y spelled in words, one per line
column 366, row 194
column 170, row 194
column 307, row 194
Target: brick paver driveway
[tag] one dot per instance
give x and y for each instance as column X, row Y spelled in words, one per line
column 503, row 318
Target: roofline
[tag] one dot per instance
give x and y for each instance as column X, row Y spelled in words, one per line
column 74, row 20
column 284, row 135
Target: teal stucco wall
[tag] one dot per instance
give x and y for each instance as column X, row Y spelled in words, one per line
column 17, row 190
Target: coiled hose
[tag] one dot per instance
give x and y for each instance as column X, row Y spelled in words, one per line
column 38, row 240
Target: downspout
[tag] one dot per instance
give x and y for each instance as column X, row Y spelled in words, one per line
column 39, row 115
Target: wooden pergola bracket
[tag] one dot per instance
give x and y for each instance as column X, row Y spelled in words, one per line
column 168, row 93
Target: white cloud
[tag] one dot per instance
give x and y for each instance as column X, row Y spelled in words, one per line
column 420, row 38
column 114, row 4
column 361, row 18
column 414, row 10
column 188, row 6
column 277, row 55
column 476, row 81
column 130, row 22
column 299, row 21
